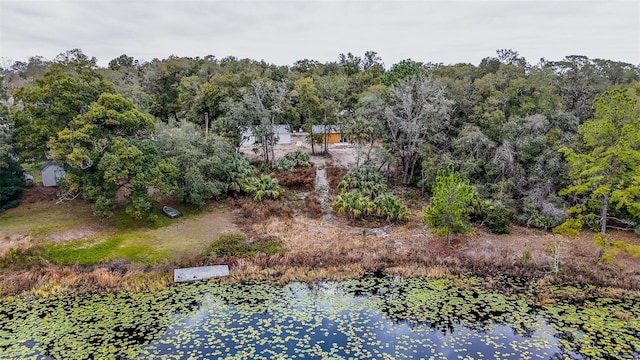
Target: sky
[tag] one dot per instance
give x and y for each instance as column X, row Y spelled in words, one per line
column 282, row 32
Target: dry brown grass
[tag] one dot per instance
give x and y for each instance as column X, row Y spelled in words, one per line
column 335, row 250
column 14, row 241
column 53, row 280
column 260, row 211
column 335, row 173
column 298, row 179
column 313, row 246
column 312, row 206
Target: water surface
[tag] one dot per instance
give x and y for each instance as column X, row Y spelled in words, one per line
column 369, row 318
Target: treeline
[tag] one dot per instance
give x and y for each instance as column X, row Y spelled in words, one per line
column 132, row 125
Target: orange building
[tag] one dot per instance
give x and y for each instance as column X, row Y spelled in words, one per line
column 329, row 133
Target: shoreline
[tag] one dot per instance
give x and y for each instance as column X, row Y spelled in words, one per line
column 53, row 280
column 313, row 248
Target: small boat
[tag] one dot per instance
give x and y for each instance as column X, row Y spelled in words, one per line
column 170, row 212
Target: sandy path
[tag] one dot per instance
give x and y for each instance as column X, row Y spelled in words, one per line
column 322, row 187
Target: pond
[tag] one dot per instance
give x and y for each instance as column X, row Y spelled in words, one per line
column 369, row 318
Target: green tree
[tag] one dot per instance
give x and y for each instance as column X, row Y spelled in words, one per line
column 605, row 167
column 449, row 210
column 306, row 97
column 163, row 85
column 203, row 162
column 403, row 69
column 368, row 128
column 332, row 91
column 11, row 177
column 107, row 156
column 360, row 132
column 262, row 104
column 48, row 106
column 125, row 74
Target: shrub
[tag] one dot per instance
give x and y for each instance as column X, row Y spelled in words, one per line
column 20, row 258
column 543, row 222
column 354, row 204
column 368, row 181
column 497, row 217
column 264, row 187
column 525, row 259
column 234, row 244
column 239, row 173
column 390, row 207
column 230, row 244
column 293, row 160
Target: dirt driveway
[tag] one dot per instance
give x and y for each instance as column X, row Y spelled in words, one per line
column 342, row 154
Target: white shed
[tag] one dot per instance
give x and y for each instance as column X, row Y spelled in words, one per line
column 51, row 174
column 282, row 133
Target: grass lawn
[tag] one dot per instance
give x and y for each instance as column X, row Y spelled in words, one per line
column 69, row 233
column 38, row 220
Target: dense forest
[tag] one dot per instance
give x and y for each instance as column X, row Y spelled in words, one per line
column 539, row 143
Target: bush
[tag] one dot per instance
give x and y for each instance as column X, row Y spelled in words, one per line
column 264, row 187
column 11, row 181
column 293, row 160
column 354, row 204
column 20, row 258
column 359, row 206
column 497, row 217
column 234, row 244
column 368, row 181
column 525, row 259
column 390, row 207
column 238, row 174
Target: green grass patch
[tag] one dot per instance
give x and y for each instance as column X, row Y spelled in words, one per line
column 123, row 246
column 233, row 244
column 39, row 221
column 69, row 234
column 76, row 252
column 124, row 222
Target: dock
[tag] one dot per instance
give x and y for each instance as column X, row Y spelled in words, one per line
column 200, row 273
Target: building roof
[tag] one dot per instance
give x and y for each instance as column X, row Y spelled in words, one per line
column 278, row 129
column 44, row 166
column 281, row 129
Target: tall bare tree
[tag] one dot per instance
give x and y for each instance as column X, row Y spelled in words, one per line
column 418, row 113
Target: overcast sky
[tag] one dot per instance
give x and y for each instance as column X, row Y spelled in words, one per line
column 282, row 32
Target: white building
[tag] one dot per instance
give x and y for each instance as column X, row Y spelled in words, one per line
column 51, row 174
column 281, row 132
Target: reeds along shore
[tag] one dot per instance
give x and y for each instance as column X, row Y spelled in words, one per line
column 337, row 257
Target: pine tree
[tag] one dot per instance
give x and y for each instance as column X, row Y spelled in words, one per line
column 605, row 167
